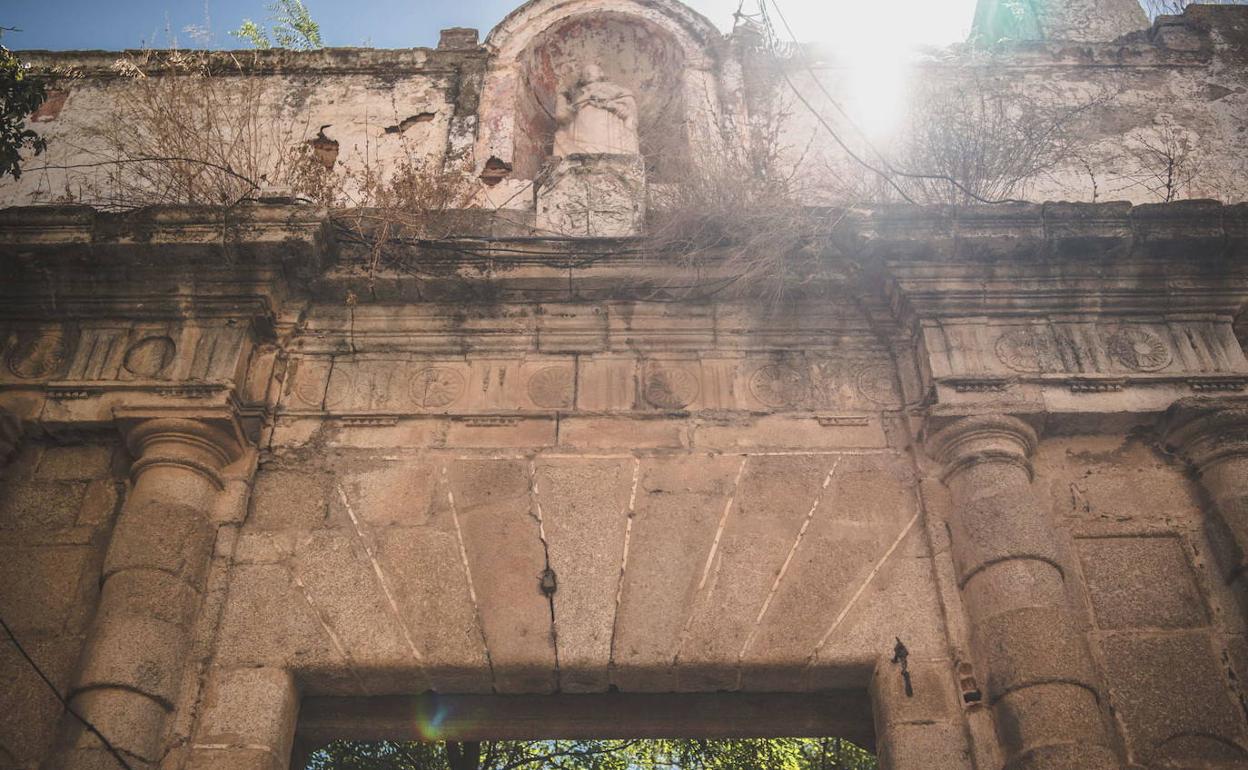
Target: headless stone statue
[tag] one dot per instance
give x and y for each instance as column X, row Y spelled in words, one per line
column 595, row 116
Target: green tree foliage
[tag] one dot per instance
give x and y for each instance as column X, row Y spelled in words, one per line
column 291, row 26
column 20, row 95
column 682, row 754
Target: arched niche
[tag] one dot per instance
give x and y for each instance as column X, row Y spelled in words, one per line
column 659, row 49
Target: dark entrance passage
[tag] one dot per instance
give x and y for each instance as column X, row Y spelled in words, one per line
column 713, row 731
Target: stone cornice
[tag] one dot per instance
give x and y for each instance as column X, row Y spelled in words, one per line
column 273, row 61
column 68, row 262
column 1193, row 237
column 1207, row 431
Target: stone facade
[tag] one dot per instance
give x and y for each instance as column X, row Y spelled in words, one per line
column 254, row 498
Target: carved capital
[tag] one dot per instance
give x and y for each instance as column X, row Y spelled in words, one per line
column 201, row 441
column 10, row 436
column 1207, row 431
column 983, row 438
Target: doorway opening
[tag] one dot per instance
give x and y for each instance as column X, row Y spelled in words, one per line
column 610, row 731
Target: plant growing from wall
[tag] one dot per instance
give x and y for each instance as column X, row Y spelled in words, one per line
column 20, row 95
column 290, row 26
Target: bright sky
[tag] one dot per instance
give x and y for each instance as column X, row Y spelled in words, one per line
column 116, row 24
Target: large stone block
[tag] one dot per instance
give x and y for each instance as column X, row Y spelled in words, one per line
column 1141, row 583
column 596, row 196
column 679, row 504
column 341, row 581
column 774, row 500
column 426, row 574
column 174, row 538
column 584, row 505
column 41, row 588
column 269, row 621
column 506, row 559
column 40, row 505
column 29, row 711
column 1031, row 645
column 289, row 500
column 1172, row 699
column 398, row 493
column 856, row 546
column 75, row 463
column 250, row 707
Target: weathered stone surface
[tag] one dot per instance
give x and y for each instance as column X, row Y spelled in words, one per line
column 854, row 536
column 349, row 469
column 499, row 527
column 289, row 500
column 585, row 515
column 339, row 580
column 679, row 504
column 268, row 621
column 1141, row 583
column 40, row 506
column 44, row 587
column 774, row 499
column 251, row 708
column 1172, row 699
column 75, row 463
column 28, row 710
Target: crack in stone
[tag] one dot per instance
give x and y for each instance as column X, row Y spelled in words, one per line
column 619, row 589
column 535, row 510
column 472, row 591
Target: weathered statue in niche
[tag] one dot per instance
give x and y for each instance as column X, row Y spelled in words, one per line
column 595, row 116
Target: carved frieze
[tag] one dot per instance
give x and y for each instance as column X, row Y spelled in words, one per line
column 1028, row 349
column 150, row 356
column 553, row 387
column 779, row 385
column 1086, row 356
column 1138, row 348
column 669, row 386
column 435, row 387
column 878, row 384
column 38, row 354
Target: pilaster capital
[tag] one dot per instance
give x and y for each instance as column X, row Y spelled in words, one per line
column 1207, row 431
column 982, row 438
column 203, row 441
column 10, row 436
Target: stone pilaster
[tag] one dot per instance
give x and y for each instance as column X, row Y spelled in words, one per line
column 919, row 728
column 1038, row 674
column 247, row 722
column 1212, row 435
column 152, row 583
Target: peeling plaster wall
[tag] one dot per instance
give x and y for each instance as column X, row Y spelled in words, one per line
column 1182, row 84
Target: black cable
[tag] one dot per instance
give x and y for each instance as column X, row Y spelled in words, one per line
column 55, row 691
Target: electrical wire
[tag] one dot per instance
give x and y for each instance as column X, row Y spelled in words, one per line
column 56, row 692
column 893, row 171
